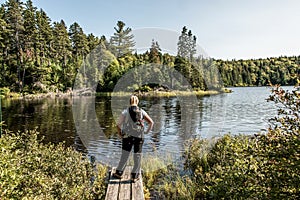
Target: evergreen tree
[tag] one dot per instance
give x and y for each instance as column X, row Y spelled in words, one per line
column 155, row 52
column 121, row 42
column 186, row 46
column 99, row 59
column 80, row 48
column 3, row 47
column 43, row 52
column 186, row 50
column 61, row 43
column 15, row 21
column 44, row 39
column 30, row 38
column 93, row 41
column 182, row 66
column 79, row 41
column 30, row 29
column 62, row 53
column 191, row 46
column 182, row 49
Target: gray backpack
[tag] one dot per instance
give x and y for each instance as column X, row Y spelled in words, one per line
column 134, row 122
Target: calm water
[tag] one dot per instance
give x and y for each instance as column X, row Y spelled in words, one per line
column 88, row 123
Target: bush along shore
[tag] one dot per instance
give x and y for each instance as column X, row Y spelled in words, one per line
column 260, row 166
column 33, row 170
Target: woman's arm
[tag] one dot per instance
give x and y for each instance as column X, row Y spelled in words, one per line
column 149, row 121
column 119, row 125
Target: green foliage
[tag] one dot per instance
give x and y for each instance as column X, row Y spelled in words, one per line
column 4, row 91
column 144, row 88
column 38, row 55
column 79, row 41
column 158, row 176
column 32, row 170
column 288, row 119
column 259, row 72
column 178, row 187
column 155, row 53
column 264, row 166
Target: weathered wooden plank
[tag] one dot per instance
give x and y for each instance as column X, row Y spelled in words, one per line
column 137, row 189
column 113, row 187
column 124, row 189
column 125, row 185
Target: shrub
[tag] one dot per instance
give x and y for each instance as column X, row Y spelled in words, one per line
column 4, row 91
column 263, row 166
column 288, row 119
column 32, row 170
column 225, row 170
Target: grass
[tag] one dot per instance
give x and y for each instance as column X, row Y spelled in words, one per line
column 164, row 93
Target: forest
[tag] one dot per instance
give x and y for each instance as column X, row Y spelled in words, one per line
column 38, row 55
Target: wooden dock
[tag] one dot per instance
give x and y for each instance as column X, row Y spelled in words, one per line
column 124, row 189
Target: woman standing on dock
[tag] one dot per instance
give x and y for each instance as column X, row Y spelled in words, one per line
column 131, row 130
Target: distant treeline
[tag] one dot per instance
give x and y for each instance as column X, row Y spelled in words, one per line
column 259, row 72
column 38, row 55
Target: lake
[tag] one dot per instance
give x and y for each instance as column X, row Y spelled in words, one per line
column 88, row 123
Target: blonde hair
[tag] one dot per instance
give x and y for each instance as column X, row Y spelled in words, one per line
column 134, row 100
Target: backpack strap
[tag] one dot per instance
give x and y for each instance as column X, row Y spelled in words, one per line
column 127, row 115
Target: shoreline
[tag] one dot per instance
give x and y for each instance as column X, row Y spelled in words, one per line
column 90, row 93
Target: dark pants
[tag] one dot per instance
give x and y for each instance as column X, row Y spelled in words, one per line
column 127, row 144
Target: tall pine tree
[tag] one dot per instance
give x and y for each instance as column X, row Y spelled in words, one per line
column 186, row 46
column 3, row 48
column 30, row 38
column 61, row 43
column 182, row 45
column 44, row 39
column 62, row 53
column 122, row 42
column 79, row 41
column 15, row 21
column 191, row 45
column 30, row 29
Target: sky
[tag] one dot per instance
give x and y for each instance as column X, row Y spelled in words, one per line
column 225, row 29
